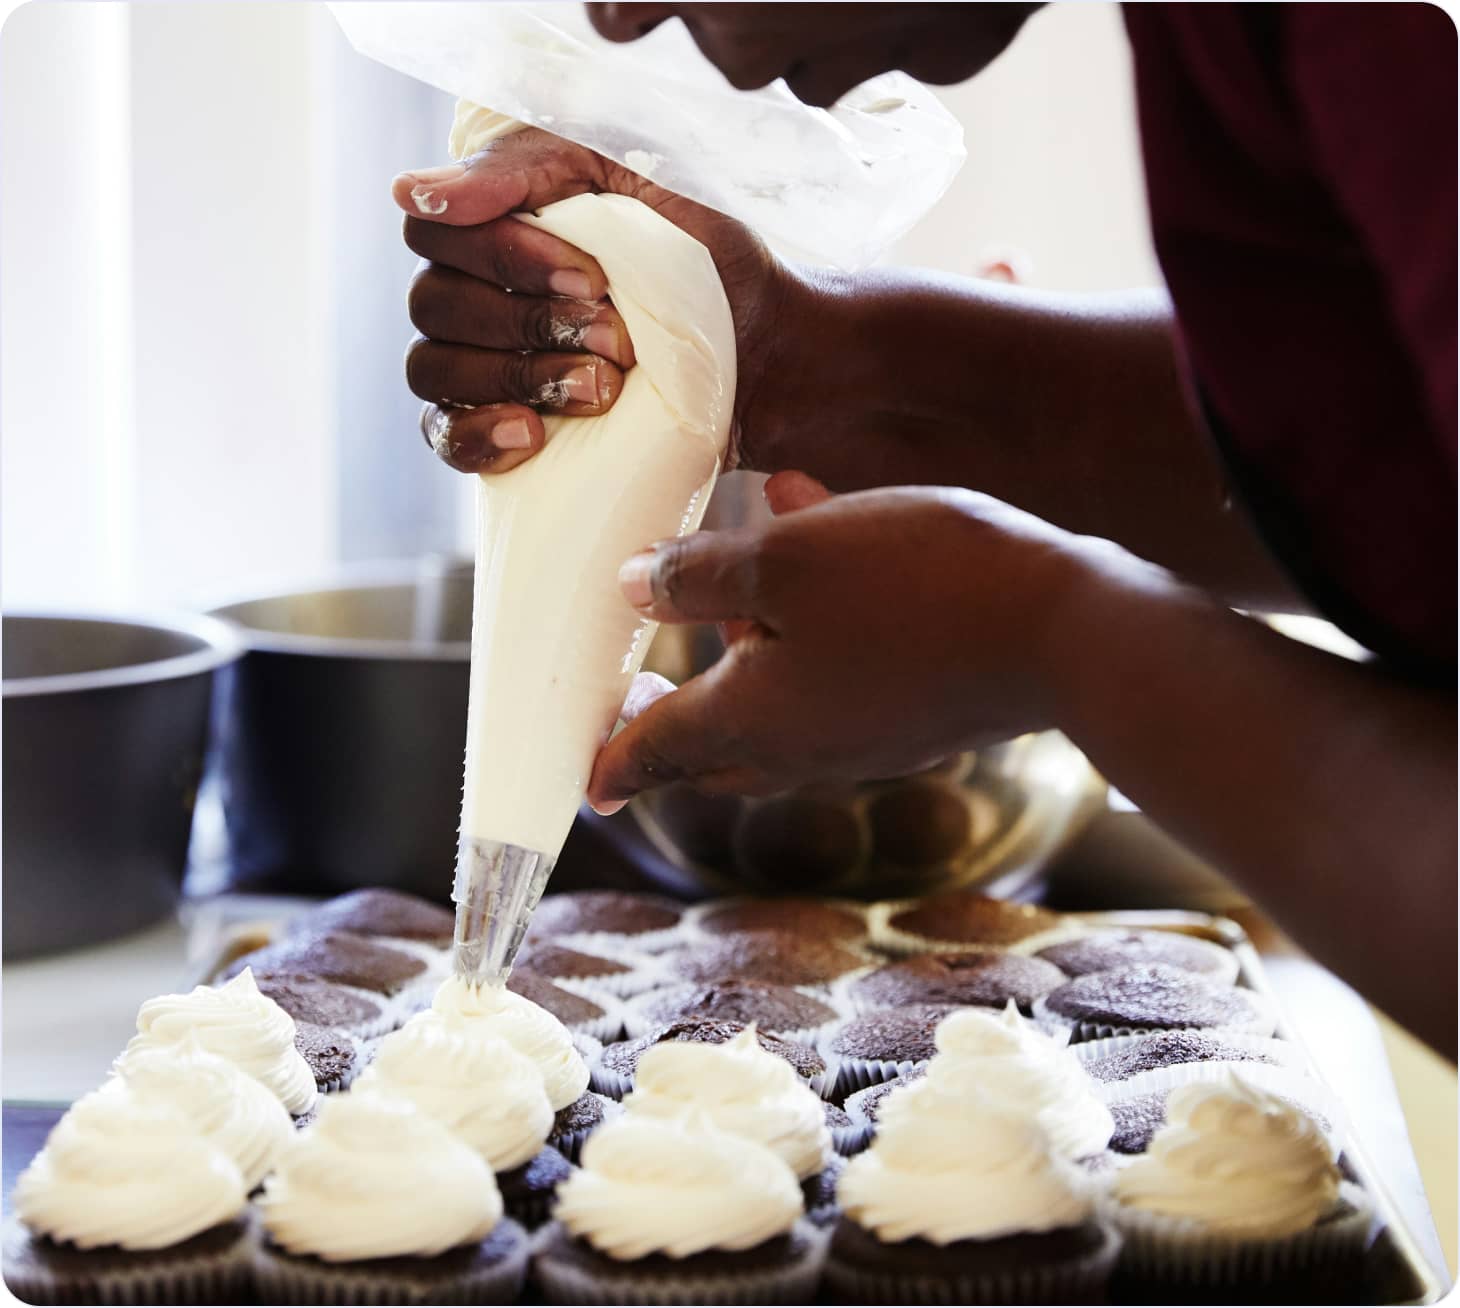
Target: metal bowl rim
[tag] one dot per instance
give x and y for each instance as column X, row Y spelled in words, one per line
column 350, row 577
column 221, row 647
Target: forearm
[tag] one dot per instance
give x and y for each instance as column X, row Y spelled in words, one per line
column 1068, row 406
column 1326, row 788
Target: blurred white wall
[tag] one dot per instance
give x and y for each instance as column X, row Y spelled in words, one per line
column 202, row 287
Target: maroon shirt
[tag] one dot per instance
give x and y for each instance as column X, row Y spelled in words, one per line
column 1301, row 167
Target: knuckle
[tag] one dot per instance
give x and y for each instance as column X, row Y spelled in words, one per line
column 422, row 298
column 420, row 367
column 517, row 378
column 536, row 322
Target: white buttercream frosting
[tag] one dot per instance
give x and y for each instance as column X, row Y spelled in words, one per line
column 374, row 1177
column 1008, row 1059
column 952, row 1164
column 474, row 128
column 491, row 1095
column 676, row 1186
column 122, row 1170
column 741, row 1088
column 1236, row 1159
column 497, row 1013
column 238, row 1023
column 241, row 1116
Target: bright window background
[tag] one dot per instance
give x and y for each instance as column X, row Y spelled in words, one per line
column 202, row 283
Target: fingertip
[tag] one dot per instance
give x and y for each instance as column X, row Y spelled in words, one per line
column 789, row 491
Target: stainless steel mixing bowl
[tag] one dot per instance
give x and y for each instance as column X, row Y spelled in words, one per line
column 105, row 724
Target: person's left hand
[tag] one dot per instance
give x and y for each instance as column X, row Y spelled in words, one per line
column 870, row 635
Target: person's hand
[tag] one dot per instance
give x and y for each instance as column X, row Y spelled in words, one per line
column 869, row 635
column 513, row 322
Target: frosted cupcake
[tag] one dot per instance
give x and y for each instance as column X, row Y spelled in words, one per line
column 128, row 1202
column 238, row 1023
column 478, row 1086
column 493, row 1012
column 672, row 1210
column 961, row 1199
column 379, row 1203
column 740, row 1088
column 1239, row 1187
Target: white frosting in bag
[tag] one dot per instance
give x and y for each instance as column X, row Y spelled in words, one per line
column 119, row 1170
column 554, row 643
column 676, row 1186
column 496, row 1013
column 481, row 1087
column 238, row 1023
column 742, row 1089
column 1236, row 1159
column 374, row 1177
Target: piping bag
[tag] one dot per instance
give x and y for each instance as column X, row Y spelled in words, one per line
column 554, row 644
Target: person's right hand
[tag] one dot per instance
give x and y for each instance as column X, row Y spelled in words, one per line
column 513, row 322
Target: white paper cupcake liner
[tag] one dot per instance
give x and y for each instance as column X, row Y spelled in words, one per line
column 588, row 1047
column 605, row 1029
column 1262, row 1022
column 849, row 1075
column 280, row 1279
column 794, row 1282
column 692, row 922
column 1079, row 1280
column 853, row 1139
column 638, row 1023
column 605, row 943
column 897, row 943
column 1180, row 1251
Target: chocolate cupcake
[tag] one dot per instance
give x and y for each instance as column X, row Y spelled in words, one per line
column 848, row 1136
column 529, row 1191
column 775, row 956
column 671, row 1210
column 336, row 1234
column 1153, row 998
column 332, row 1056
column 961, row 918
column 864, row 1105
column 988, row 979
column 1137, row 1119
column 780, row 1010
column 380, row 912
column 574, row 1124
column 1105, row 951
column 819, row 1193
column 614, row 1073
column 818, row 918
column 642, row 921
column 574, row 1011
column 882, row 1044
column 308, row 999
column 339, row 957
column 560, row 964
column 1123, row 1057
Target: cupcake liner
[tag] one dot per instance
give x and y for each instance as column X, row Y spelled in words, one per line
column 531, row 1211
column 647, row 971
column 605, row 1029
column 849, row 1140
column 1285, row 1052
column 1179, row 1250
column 1311, row 1095
column 563, row 1282
column 849, row 1075
column 1262, row 1022
column 637, row 1023
column 571, row 1144
column 892, row 940
column 588, row 1047
column 606, row 942
column 1079, row 1280
column 694, row 917
column 281, row 1279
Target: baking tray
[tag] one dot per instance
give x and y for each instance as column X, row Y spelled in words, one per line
column 1394, row 1271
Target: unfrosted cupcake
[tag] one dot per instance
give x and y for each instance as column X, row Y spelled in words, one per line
column 1103, row 951
column 962, row 1200
column 332, row 1056
column 614, row 1072
column 741, row 1088
column 962, row 918
column 574, row 1011
column 864, row 1105
column 1154, row 997
column 1122, row 1058
column 818, row 919
column 623, row 974
column 339, row 957
column 781, row 1010
column 1238, row 1188
column 672, row 1210
column 308, row 999
column 128, row 1202
column 238, row 1023
column 988, row 978
column 574, row 1124
column 775, row 956
column 377, row 911
column 378, row 1202
column 530, row 1191
column 495, row 1012
column 882, row 1044
column 639, row 920
column 478, row 1086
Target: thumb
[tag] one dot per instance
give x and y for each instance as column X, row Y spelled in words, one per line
column 709, row 576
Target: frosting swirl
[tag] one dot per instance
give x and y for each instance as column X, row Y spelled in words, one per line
column 226, row 1105
column 676, row 1186
column 740, row 1088
column 121, row 1170
column 498, row 1013
column 1236, row 1159
column 1011, row 1061
column 952, row 1164
column 374, row 1177
column 479, row 1086
column 238, row 1023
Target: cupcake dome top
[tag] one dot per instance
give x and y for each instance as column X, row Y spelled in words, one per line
column 966, row 917
column 781, row 957
column 972, row 978
column 1155, row 997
